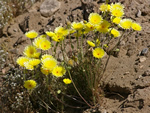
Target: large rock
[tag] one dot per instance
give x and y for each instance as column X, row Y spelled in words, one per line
column 48, row 7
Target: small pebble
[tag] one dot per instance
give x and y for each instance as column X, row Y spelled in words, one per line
column 142, row 59
column 139, row 13
column 147, row 72
column 144, row 51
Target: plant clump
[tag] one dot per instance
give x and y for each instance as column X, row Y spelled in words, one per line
column 72, row 79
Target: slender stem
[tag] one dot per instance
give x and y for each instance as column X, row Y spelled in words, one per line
column 55, row 48
column 82, row 46
column 77, row 40
column 62, row 51
column 117, row 42
column 78, row 90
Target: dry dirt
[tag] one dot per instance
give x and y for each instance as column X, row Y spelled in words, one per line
column 127, row 77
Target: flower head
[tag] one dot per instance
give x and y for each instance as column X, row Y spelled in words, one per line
column 115, row 32
column 136, row 26
column 36, row 55
column 104, row 7
column 95, row 18
column 34, row 62
column 58, row 37
column 97, row 42
column 22, row 60
column 98, row 53
column 62, row 31
column 46, row 56
column 30, row 84
column 37, row 41
column 89, row 27
column 67, row 81
column 50, row 34
column 31, row 34
column 90, row 43
column 117, row 12
column 45, row 45
column 29, row 51
column 116, row 5
column 77, row 25
column 28, row 66
column 71, row 62
column 103, row 27
column 45, row 71
column 49, row 63
column 58, row 71
column 126, row 23
column 116, row 20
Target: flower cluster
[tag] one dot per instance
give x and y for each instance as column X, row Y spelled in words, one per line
column 33, row 59
column 92, row 42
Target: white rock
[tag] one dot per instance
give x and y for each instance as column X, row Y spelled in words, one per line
column 142, row 59
column 49, row 7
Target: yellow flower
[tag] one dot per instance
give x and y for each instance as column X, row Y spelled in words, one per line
column 58, row 71
column 98, row 53
column 104, row 7
column 116, row 20
column 108, row 6
column 46, row 56
column 28, row 66
column 29, row 51
column 77, row 25
column 62, row 31
column 115, row 32
column 34, row 62
column 95, row 18
column 67, row 81
column 45, row 45
column 116, row 5
column 71, row 62
column 97, row 42
column 49, row 63
column 50, row 34
column 117, row 12
column 43, row 36
column 90, row 43
column 37, row 41
column 71, row 31
column 103, row 27
column 31, row 34
column 58, row 37
column 136, row 26
column 36, row 55
column 45, row 71
column 126, row 23
column 22, row 60
column 30, row 84
column 89, row 27
column 105, row 45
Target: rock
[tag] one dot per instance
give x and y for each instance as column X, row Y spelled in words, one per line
column 142, row 59
column 139, row 13
column 144, row 51
column 13, row 51
column 49, row 7
column 147, row 73
column 139, row 98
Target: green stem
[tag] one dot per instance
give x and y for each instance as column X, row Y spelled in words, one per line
column 82, row 47
column 62, row 51
column 77, row 40
column 78, row 90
